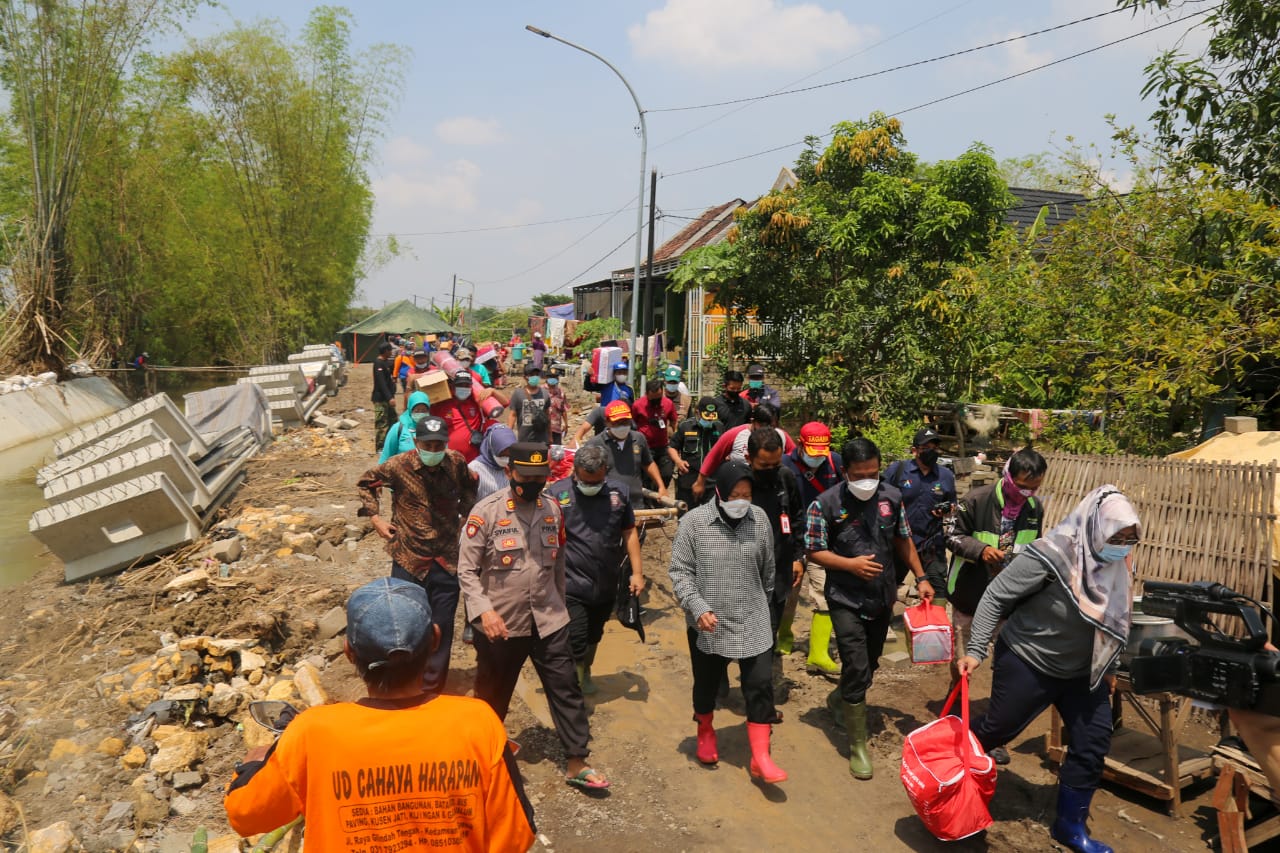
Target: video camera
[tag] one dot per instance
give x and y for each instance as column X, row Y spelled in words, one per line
column 1233, row 671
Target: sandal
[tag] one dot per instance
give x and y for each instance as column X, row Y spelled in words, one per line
column 583, row 781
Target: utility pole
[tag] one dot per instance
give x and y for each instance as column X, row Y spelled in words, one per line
column 646, row 307
column 453, row 295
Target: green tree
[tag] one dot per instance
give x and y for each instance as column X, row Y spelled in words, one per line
column 1155, row 307
column 543, row 301
column 63, row 64
column 837, row 268
column 1222, row 108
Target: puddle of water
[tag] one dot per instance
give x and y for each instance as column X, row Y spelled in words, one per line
column 19, row 498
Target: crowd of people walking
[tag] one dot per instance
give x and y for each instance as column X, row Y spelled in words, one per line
column 539, row 540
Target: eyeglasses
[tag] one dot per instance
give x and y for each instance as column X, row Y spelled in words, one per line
column 1127, row 540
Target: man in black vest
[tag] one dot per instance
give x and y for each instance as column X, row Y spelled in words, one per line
column 858, row 531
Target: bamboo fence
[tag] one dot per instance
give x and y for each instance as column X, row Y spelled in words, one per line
column 1209, row 521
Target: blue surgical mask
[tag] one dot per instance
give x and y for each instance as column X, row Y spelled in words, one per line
column 705, row 424
column 533, row 381
column 755, row 383
column 419, row 417
column 1114, row 553
column 431, row 458
column 673, row 387
column 553, row 381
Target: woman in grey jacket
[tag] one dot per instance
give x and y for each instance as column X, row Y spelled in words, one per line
column 1066, row 601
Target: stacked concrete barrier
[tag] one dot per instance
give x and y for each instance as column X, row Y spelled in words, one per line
column 135, row 484
column 144, row 481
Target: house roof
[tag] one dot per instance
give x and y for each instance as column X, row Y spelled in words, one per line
column 709, row 228
column 400, row 317
column 1061, row 207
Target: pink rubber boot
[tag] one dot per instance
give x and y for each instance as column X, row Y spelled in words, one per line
column 707, row 753
column 762, row 766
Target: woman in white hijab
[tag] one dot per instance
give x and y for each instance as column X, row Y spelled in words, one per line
column 1067, row 603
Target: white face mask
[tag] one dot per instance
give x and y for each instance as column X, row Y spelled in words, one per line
column 736, row 508
column 863, row 489
column 503, row 461
column 462, row 392
column 812, row 461
column 620, row 432
column 590, row 489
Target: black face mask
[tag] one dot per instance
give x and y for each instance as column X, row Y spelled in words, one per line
column 929, row 457
column 730, row 395
column 765, row 476
column 529, row 490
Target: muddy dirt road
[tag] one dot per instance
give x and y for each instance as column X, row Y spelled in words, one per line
column 69, row 754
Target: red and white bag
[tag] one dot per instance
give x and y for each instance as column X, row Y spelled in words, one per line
column 948, row 777
column 928, row 633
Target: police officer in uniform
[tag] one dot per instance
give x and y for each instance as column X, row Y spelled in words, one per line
column 511, row 570
column 693, row 440
column 858, row 531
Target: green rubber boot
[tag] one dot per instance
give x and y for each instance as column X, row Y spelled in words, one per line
column 855, row 723
column 836, row 706
column 819, row 638
column 786, row 639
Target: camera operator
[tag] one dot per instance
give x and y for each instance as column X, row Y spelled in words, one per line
column 1066, row 601
column 1261, row 734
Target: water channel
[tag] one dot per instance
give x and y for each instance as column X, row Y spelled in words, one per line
column 23, row 555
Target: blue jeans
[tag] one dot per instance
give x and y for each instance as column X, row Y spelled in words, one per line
column 442, row 593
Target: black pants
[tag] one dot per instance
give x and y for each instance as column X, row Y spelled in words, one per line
column 1020, row 693
column 935, row 572
column 861, row 642
column 586, row 624
column 498, row 665
column 666, row 468
column 756, row 673
column 442, row 592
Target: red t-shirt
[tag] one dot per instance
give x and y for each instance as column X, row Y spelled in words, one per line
column 463, row 417
column 654, row 420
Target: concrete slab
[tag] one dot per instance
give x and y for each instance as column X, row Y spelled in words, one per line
column 310, row 356
column 105, row 531
column 138, row 435
column 287, row 412
column 294, row 380
column 158, row 408
column 157, row 457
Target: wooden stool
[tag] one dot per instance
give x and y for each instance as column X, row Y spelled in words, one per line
column 1238, row 776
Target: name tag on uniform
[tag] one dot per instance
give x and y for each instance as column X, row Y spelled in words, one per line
column 786, row 524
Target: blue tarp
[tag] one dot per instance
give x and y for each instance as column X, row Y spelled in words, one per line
column 560, row 312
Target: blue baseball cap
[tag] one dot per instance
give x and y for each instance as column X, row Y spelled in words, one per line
column 385, row 618
column 619, row 366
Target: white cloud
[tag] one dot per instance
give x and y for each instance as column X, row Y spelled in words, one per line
column 1020, row 57
column 469, row 130
column 730, row 34
column 401, row 151
column 412, row 190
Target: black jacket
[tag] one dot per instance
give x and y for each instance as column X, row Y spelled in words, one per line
column 977, row 518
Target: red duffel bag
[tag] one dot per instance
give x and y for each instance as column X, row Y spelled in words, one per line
column 948, row 777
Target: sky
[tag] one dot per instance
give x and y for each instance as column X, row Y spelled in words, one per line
column 513, row 161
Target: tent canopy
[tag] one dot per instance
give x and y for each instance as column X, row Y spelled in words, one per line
column 400, row 318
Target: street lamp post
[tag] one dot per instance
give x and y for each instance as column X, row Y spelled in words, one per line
column 644, row 150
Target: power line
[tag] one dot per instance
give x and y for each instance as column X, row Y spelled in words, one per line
column 840, row 61
column 883, row 71
column 953, row 95
column 495, row 227
column 551, row 258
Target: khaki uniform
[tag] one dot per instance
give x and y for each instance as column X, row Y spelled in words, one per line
column 511, row 559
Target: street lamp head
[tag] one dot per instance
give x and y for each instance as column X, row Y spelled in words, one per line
column 537, row 32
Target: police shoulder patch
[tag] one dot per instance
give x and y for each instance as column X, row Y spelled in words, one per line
column 476, row 520
column 885, row 509
column 472, row 530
